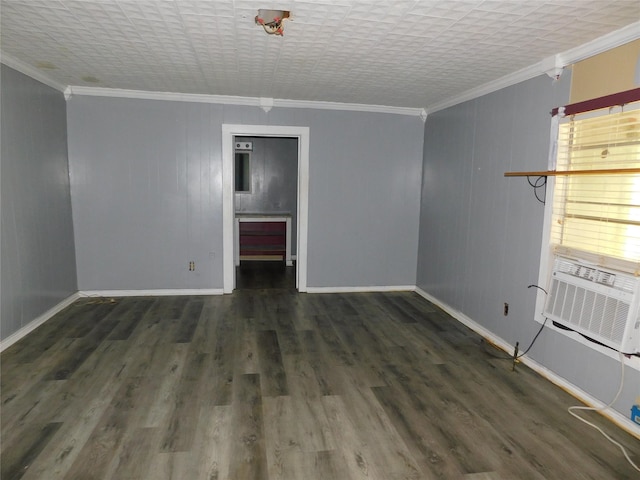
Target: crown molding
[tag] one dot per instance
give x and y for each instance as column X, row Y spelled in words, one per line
column 552, row 65
column 503, row 82
column 30, row 71
column 167, row 96
column 354, row 107
column 602, row 44
column 265, row 103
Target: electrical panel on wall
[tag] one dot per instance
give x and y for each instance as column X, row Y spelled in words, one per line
column 244, row 146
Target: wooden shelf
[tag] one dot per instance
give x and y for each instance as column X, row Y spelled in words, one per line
column 555, row 173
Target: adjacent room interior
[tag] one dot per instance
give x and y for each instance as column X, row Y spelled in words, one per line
column 342, row 240
column 265, row 205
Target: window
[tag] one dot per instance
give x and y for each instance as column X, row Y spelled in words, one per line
column 596, row 216
column 243, row 172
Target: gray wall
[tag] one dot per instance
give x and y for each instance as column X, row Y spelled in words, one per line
column 147, row 199
column 481, row 233
column 274, row 180
column 38, row 268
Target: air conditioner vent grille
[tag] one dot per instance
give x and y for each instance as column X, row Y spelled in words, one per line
column 599, row 304
column 591, row 312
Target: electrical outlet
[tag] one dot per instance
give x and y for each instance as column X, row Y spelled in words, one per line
column 192, row 266
column 506, row 309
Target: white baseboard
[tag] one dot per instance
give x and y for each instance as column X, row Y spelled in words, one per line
column 36, row 322
column 150, row 293
column 374, row 288
column 613, row 415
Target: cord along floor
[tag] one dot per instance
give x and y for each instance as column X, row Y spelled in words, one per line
column 272, row 384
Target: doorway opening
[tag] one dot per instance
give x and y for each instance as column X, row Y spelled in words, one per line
column 232, row 220
column 266, row 196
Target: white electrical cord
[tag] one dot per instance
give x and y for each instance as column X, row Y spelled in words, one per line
column 599, row 409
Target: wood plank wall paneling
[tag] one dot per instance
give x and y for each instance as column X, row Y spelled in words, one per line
column 272, row 384
column 38, row 246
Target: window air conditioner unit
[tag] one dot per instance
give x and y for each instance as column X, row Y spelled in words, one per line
column 600, row 304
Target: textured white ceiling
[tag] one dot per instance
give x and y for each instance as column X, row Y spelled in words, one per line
column 403, row 53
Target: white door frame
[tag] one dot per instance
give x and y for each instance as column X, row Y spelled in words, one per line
column 228, row 197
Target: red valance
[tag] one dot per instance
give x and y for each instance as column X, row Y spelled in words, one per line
column 620, row 98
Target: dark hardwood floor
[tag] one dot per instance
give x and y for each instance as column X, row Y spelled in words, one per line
column 270, row 384
column 265, row 274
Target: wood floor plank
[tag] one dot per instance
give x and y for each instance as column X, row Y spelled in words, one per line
column 189, row 320
column 324, row 465
column 326, row 373
column 181, row 424
column 84, row 347
column 220, row 375
column 78, row 406
column 204, row 336
column 394, row 459
column 99, row 450
column 17, row 459
column 314, row 431
column 336, row 305
column 334, row 346
column 248, row 455
column 392, row 308
column 282, row 443
column 354, row 450
column 212, row 453
column 287, row 334
column 273, row 377
column 453, row 423
column 430, row 453
column 132, row 461
column 247, row 348
column 271, row 384
column 165, row 385
column 131, row 318
column 90, row 317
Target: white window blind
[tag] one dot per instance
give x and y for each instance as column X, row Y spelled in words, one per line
column 597, row 217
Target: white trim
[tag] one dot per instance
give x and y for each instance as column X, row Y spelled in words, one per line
column 602, row 44
column 373, row 288
column 493, row 86
column 36, row 322
column 613, row 415
column 616, row 417
column 228, row 197
column 569, row 57
column 468, row 322
column 354, row 107
column 265, row 103
column 151, row 293
column 553, row 66
column 166, row 96
column 30, row 71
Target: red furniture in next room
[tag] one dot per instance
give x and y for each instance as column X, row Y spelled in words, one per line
column 263, row 237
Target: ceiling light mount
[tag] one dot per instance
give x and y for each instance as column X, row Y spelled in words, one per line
column 271, row 20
